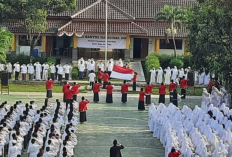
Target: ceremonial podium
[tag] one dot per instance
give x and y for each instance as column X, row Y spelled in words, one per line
column 4, row 82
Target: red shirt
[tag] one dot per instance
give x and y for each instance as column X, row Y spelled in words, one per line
column 148, row 89
column 109, row 89
column 96, row 87
column 83, row 105
column 75, row 89
column 100, row 74
column 65, row 87
column 174, row 154
column 162, row 89
column 49, row 84
column 106, row 77
column 172, row 86
column 124, row 88
column 183, row 83
column 141, row 95
column 68, row 94
column 135, row 78
column 210, row 84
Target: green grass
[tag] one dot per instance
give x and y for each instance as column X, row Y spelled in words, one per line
column 37, row 88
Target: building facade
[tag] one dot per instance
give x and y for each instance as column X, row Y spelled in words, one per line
column 132, row 31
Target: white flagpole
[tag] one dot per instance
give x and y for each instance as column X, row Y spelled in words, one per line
column 106, row 35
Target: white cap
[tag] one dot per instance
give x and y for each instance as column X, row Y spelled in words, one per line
column 14, row 141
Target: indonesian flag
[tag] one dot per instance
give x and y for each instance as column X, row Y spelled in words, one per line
column 122, row 73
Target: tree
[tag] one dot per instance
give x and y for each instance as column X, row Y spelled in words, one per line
column 210, row 38
column 174, row 16
column 33, row 14
column 6, row 38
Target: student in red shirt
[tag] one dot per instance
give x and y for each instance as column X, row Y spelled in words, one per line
column 96, row 90
column 162, row 93
column 141, row 100
column 109, row 97
column 148, row 91
column 75, row 89
column 83, row 109
column 134, row 81
column 183, row 86
column 174, row 153
column 210, row 85
column 172, row 86
column 49, row 86
column 66, row 84
column 106, row 79
column 68, row 96
column 124, row 90
column 100, row 75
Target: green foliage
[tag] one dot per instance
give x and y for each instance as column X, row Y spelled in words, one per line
column 39, row 59
column 176, row 62
column 23, row 59
column 150, row 62
column 51, row 60
column 74, row 73
column 164, row 60
column 6, row 38
column 187, row 60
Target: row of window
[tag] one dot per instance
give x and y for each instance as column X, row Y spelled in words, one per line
column 23, row 41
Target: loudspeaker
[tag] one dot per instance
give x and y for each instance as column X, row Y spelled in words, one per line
column 191, row 79
column 4, row 79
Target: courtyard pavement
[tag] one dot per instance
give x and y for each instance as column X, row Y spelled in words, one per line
column 106, row 122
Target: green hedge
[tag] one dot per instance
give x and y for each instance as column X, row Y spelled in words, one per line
column 150, row 62
column 23, row 59
column 74, row 73
column 176, row 62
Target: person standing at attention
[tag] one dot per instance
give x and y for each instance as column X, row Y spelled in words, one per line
column 68, row 96
column 17, row 70
column 106, row 79
column 66, row 84
column 91, row 78
column 100, row 75
column 172, row 86
column 134, row 81
column 115, row 150
column 75, row 89
column 148, row 91
column 49, row 86
column 183, row 86
column 109, row 97
column 124, row 90
column 162, row 93
column 141, row 100
column 96, row 90
column 83, row 109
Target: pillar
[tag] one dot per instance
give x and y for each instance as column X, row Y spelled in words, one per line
column 127, row 42
column 157, row 45
column 14, row 43
column 75, row 41
column 44, row 43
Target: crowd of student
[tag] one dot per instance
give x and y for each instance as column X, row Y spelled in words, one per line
column 25, row 127
column 203, row 132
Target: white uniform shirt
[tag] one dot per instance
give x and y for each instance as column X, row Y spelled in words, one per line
column 9, row 68
column 60, row 70
column 38, row 67
column 81, row 67
column 101, row 66
column 23, row 69
column 53, row 69
column 66, row 69
column 91, row 77
column 17, row 67
column 91, row 67
column 30, row 69
column 45, row 66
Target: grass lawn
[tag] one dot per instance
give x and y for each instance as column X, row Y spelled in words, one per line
column 38, row 88
column 190, row 91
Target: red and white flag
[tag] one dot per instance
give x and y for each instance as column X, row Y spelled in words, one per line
column 122, row 73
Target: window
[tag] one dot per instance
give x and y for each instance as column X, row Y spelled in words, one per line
column 23, row 41
column 164, row 45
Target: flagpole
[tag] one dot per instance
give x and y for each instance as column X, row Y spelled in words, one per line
column 106, row 35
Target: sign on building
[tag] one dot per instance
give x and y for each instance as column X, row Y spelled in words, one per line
column 98, row 41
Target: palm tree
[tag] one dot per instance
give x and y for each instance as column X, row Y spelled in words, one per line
column 174, row 16
column 6, row 38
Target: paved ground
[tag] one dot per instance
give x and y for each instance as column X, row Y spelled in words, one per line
column 137, row 66
column 106, row 122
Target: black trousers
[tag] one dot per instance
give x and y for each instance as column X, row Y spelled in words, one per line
column 171, row 95
column 49, row 93
column 16, row 75
column 183, row 93
column 59, row 77
column 134, row 86
column 68, row 101
column 148, row 99
column 66, row 76
column 162, row 99
column 95, row 97
column 30, row 77
column 99, row 80
column 9, row 74
column 52, row 75
column 124, row 97
column 104, row 84
column 91, row 84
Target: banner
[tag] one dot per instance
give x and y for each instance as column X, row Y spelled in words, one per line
column 98, row 41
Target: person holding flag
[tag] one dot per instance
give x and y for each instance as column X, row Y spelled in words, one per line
column 124, row 90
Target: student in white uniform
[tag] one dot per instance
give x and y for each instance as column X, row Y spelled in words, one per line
column 33, row 148
column 60, row 72
column 153, row 76
column 24, row 72
column 110, row 67
column 38, row 69
column 9, row 69
column 15, row 149
column 66, row 71
column 45, row 71
column 52, row 71
column 91, row 67
column 91, row 78
column 81, row 68
column 31, row 71
column 101, row 66
column 17, row 70
column 160, row 75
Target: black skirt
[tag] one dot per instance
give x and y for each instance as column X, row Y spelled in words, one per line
column 171, row 95
column 109, row 98
column 148, row 99
column 95, row 97
column 99, row 80
column 124, row 97
column 134, row 86
column 141, row 105
column 162, row 99
column 83, row 116
column 49, row 93
column 183, row 93
column 104, row 84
